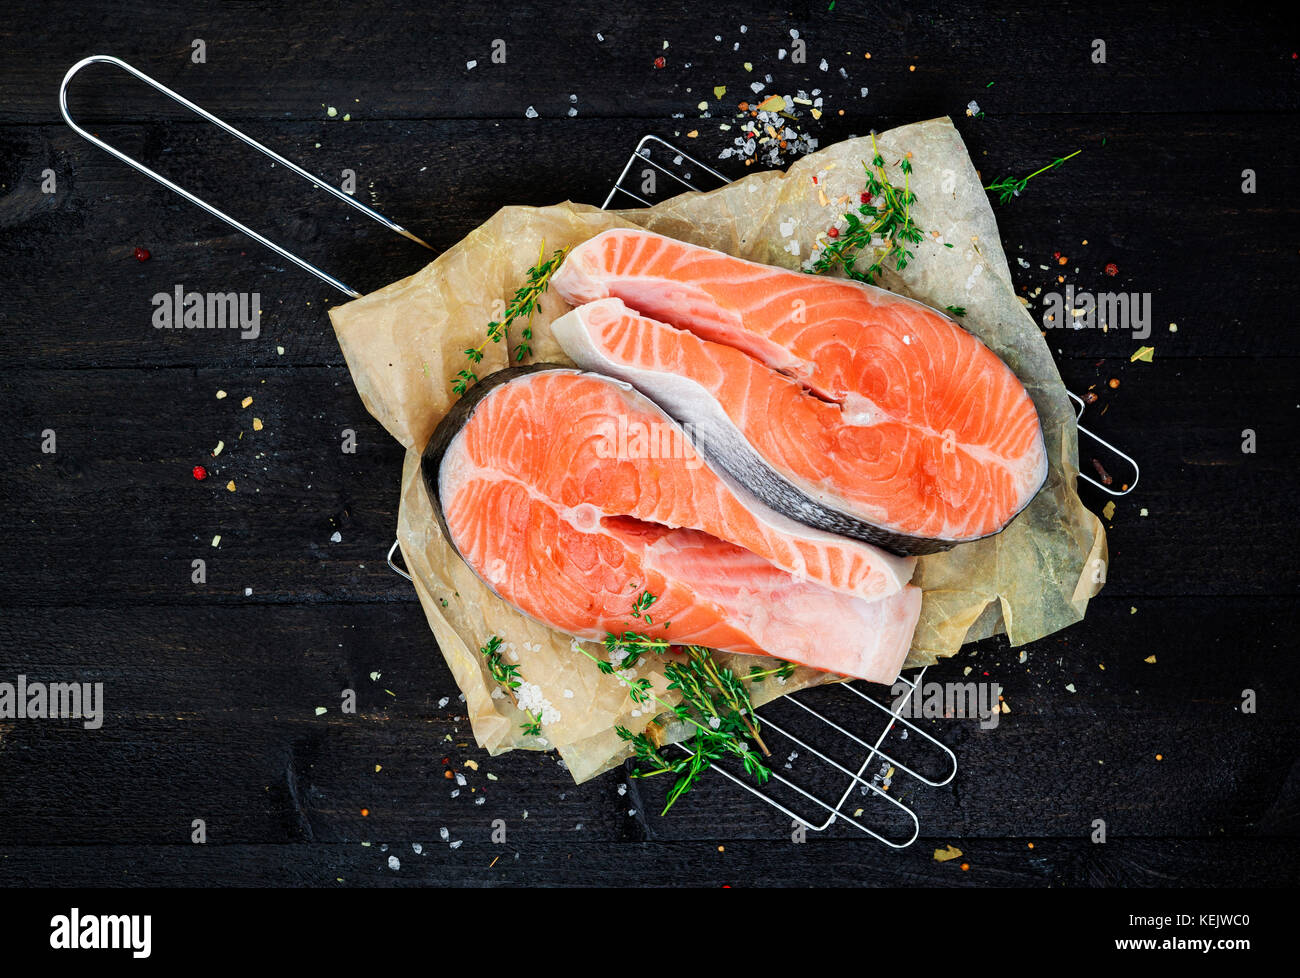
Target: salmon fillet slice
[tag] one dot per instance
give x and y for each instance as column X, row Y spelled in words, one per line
column 536, row 496
column 840, row 404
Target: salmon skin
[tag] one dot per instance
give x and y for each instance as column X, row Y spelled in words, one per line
column 538, row 494
column 842, row 405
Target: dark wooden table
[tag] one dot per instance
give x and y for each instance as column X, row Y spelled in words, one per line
column 211, row 689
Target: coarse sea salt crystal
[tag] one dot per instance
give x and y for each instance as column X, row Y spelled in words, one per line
column 824, row 66
column 530, row 113
column 471, row 65
column 394, row 863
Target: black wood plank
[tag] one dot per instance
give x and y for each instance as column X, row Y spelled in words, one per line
column 211, row 713
column 77, row 297
column 995, row 863
column 212, row 690
column 115, row 515
column 395, row 62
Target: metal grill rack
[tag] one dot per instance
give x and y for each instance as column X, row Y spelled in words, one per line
column 868, row 755
column 881, row 752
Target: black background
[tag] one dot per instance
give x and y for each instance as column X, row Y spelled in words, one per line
column 211, row 694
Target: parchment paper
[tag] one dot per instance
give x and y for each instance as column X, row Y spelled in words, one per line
column 404, row 345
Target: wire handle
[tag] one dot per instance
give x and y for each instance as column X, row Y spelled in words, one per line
column 1137, row 471
column 215, row 211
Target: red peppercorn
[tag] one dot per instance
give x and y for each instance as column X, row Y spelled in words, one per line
column 200, row 473
column 864, row 197
column 142, row 254
column 834, row 232
column 660, row 62
column 1112, row 269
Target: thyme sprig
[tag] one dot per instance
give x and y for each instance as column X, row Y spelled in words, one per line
column 714, row 701
column 1009, row 187
column 757, row 675
column 506, row 675
column 882, row 225
column 522, row 304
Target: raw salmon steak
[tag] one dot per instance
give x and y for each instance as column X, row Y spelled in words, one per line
column 842, row 405
column 570, row 494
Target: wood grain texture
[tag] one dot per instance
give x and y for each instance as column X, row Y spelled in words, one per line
column 211, row 690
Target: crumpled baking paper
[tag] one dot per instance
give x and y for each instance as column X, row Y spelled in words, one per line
column 404, row 345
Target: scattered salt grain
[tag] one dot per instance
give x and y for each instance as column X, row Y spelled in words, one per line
column 530, row 113
column 336, row 537
column 394, row 863
column 471, row 65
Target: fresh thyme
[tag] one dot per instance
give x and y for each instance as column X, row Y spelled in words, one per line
column 1009, row 187
column 714, row 701
column 506, row 675
column 882, row 226
column 522, row 304
column 955, row 310
column 757, row 675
